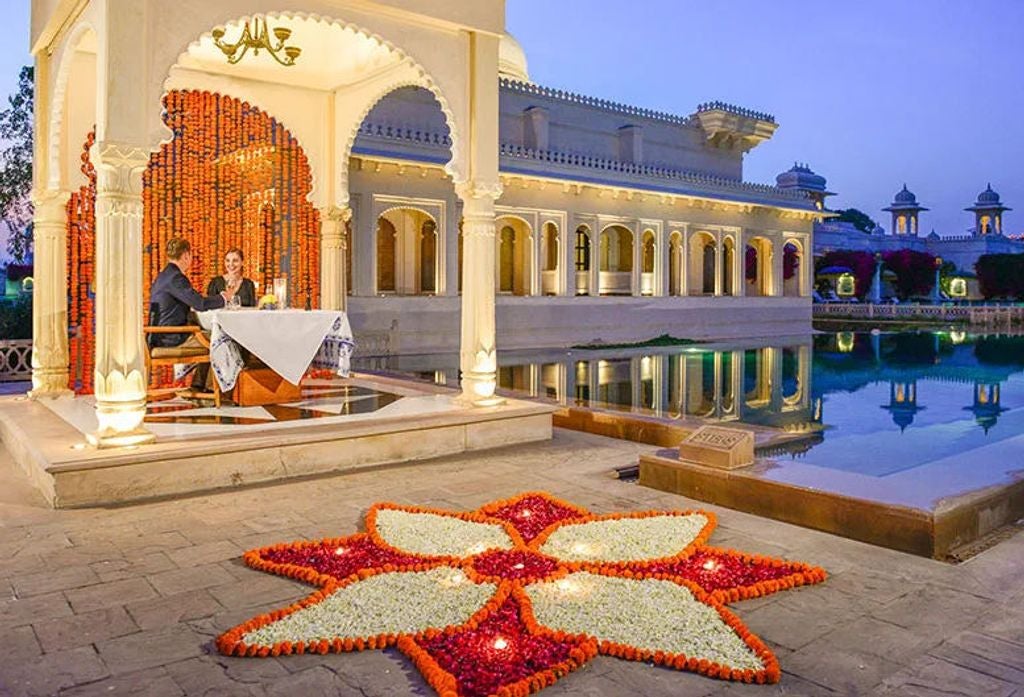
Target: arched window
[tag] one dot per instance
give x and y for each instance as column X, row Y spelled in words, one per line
column 385, row 256
column 550, row 247
column 648, row 260
column 428, row 256
column 506, row 260
column 582, row 249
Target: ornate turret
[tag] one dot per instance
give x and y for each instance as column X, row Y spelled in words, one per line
column 800, row 177
column 905, row 210
column 988, row 213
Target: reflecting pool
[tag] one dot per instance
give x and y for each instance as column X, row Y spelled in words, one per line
column 906, row 418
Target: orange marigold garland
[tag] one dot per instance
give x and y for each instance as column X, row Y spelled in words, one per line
column 232, row 176
column 483, row 604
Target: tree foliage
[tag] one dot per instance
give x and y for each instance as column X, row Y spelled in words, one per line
column 915, row 271
column 861, row 264
column 1001, row 275
column 860, row 220
column 16, row 317
column 16, row 166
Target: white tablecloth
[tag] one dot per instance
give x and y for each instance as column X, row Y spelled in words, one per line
column 288, row 341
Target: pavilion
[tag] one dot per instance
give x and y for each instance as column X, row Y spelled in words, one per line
column 109, row 68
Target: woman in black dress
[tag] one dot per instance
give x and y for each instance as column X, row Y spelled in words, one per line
column 244, row 288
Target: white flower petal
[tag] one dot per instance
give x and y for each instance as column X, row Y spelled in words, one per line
column 438, row 535
column 624, row 539
column 387, row 603
column 648, row 614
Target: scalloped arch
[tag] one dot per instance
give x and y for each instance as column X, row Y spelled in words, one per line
column 66, row 52
column 389, row 209
column 451, row 168
column 425, row 81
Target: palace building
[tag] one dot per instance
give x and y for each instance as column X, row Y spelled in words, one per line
column 614, row 223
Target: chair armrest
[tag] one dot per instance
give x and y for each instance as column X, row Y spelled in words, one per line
column 184, row 329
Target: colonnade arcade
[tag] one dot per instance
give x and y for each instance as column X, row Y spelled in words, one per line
column 104, row 71
column 629, row 257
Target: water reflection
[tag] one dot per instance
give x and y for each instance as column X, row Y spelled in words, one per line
column 793, row 386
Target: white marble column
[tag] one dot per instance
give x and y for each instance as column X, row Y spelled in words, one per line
column 333, row 248
column 806, row 269
column 567, row 260
column 663, row 247
column 364, row 246
column 739, row 267
column 478, row 354
column 50, row 294
column 453, row 215
column 718, row 266
column 775, row 261
column 638, row 262
column 120, row 373
column 684, row 264
column 595, row 263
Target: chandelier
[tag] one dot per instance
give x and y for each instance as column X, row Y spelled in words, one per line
column 256, row 35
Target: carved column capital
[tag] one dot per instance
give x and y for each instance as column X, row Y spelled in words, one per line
column 119, row 168
column 341, row 214
column 49, row 206
column 476, row 192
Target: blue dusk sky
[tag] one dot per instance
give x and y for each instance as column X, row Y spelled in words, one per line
column 869, row 93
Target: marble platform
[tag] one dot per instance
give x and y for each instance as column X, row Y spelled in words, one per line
column 337, row 426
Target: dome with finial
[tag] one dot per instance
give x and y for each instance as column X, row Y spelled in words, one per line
column 905, row 201
column 800, row 176
column 905, row 195
column 988, row 196
column 512, row 59
column 988, row 202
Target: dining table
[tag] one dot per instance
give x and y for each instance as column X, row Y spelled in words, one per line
column 288, row 341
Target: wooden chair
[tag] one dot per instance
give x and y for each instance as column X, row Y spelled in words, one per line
column 157, row 356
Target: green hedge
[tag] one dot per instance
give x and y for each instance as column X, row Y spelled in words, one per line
column 16, row 317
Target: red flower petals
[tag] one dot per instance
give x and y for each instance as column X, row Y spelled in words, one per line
column 500, row 656
column 514, row 565
column 529, row 514
column 340, row 558
column 728, row 575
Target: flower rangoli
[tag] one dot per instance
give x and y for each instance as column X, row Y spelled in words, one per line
column 510, row 597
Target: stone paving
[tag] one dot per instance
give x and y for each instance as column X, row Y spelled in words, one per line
column 127, row 601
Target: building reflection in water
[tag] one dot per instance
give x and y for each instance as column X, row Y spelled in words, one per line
column 768, row 385
column 764, row 385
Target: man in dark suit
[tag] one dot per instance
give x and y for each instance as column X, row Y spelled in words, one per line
column 172, row 296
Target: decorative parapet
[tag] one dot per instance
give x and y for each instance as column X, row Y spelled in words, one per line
column 737, row 110
column 574, row 98
column 695, row 179
column 411, row 135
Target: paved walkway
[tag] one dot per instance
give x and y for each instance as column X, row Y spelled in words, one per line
column 127, row 600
